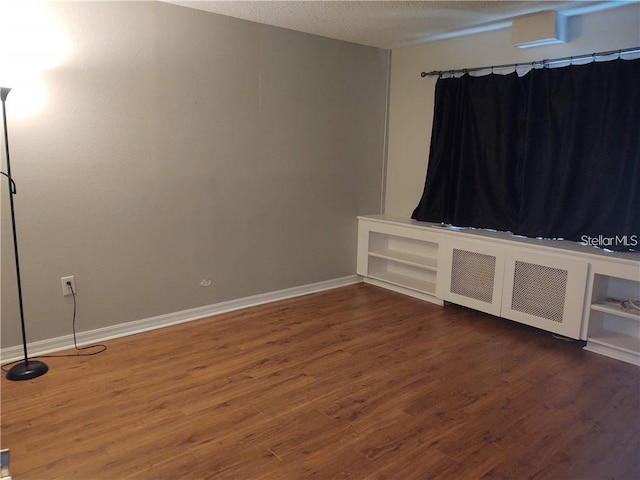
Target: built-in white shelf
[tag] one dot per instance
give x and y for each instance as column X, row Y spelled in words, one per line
column 612, row 329
column 406, row 282
column 629, row 313
column 402, row 258
column 407, row 258
column 619, row 341
column 615, row 345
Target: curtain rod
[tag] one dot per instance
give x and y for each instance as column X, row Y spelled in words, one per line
column 534, row 64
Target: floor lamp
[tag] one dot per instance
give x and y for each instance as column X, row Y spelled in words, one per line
column 26, row 369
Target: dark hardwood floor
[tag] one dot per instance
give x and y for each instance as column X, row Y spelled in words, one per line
column 356, row 382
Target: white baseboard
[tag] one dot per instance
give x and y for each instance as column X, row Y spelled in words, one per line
column 42, row 347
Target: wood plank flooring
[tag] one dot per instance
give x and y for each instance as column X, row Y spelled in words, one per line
column 356, row 382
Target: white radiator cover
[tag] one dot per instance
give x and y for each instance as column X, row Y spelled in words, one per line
column 473, row 275
column 545, row 291
column 540, row 290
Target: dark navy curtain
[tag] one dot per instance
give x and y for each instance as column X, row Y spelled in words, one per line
column 554, row 153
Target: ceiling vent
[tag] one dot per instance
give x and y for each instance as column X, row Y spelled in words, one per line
column 537, row 29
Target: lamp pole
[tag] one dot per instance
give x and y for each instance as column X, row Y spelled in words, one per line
column 26, row 369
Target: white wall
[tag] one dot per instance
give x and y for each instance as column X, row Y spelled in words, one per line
column 178, row 145
column 411, row 97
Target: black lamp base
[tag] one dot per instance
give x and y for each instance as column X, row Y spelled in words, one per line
column 27, row 370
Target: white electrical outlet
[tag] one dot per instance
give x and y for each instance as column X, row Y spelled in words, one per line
column 66, row 289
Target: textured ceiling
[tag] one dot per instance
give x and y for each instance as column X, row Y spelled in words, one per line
column 388, row 24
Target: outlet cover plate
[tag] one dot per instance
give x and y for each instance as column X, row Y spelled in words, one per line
column 65, row 288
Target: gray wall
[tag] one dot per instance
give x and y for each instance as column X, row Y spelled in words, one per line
column 177, row 145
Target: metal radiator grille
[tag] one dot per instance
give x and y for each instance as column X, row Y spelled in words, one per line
column 472, row 275
column 539, row 290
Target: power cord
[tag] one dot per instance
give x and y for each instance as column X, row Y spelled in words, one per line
column 631, row 304
column 75, row 342
column 623, row 304
column 73, row 328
